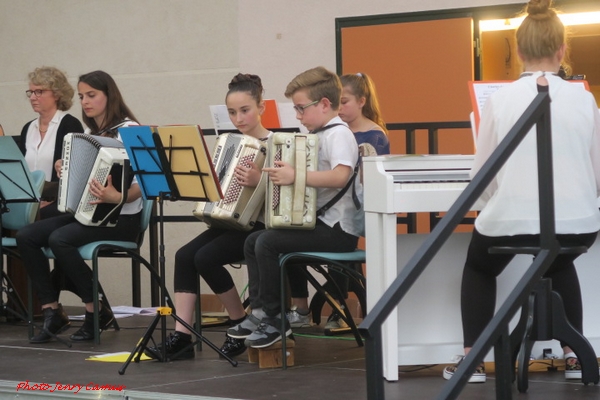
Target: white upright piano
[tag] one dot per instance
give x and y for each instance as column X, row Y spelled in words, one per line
column 397, row 184
column 426, row 327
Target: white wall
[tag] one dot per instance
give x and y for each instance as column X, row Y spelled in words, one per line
column 172, row 59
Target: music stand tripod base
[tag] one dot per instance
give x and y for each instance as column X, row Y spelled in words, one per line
column 163, row 312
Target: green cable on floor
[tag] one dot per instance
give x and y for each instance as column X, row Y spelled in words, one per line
column 323, row 336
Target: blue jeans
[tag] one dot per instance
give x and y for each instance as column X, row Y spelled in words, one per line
column 262, row 250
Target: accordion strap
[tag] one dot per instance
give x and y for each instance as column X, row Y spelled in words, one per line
column 299, row 181
column 351, row 182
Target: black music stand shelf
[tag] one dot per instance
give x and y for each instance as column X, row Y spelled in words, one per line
column 171, row 163
column 16, row 186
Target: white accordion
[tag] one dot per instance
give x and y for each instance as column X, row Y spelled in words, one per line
column 292, row 206
column 85, row 157
column 241, row 205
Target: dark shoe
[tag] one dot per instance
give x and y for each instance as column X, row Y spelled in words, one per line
column 178, row 347
column 267, row 333
column 245, row 328
column 233, row 347
column 86, row 332
column 55, row 322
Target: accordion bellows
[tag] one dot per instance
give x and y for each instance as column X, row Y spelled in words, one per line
column 292, row 206
column 85, row 157
column 241, row 205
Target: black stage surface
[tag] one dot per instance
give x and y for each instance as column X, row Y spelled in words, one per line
column 324, row 368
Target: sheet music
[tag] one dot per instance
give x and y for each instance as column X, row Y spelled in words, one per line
column 287, row 116
column 220, row 118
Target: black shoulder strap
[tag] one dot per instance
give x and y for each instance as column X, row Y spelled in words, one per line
column 351, row 182
column 324, row 128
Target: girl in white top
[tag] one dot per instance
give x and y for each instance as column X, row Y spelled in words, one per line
column 510, row 216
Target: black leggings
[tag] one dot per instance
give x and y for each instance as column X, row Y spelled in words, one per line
column 478, row 291
column 207, row 255
column 63, row 234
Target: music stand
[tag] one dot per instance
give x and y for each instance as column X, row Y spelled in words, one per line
column 16, row 187
column 171, row 163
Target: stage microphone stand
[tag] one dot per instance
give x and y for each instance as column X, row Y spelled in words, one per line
column 156, row 163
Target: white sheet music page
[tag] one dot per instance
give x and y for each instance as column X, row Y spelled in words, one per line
column 220, row 118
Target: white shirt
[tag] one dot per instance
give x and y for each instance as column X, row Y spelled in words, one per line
column 39, row 154
column 337, row 146
column 512, row 206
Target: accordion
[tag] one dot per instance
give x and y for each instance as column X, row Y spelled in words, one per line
column 292, row 206
column 240, row 206
column 85, row 157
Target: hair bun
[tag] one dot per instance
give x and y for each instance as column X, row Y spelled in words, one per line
column 241, row 79
column 538, row 7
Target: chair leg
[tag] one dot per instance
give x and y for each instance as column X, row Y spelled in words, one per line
column 283, row 299
column 564, row 331
column 136, row 291
column 96, row 300
column 199, row 315
column 521, row 344
column 342, row 309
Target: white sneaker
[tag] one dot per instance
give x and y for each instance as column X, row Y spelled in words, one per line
column 298, row 320
column 478, row 376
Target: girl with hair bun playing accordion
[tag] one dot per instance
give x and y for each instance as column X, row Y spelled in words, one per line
column 103, row 112
column 214, row 248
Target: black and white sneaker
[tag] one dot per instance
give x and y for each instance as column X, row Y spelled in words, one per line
column 478, row 376
column 244, row 328
column 267, row 333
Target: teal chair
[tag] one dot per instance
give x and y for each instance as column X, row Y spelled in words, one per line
column 17, row 216
column 322, row 262
column 118, row 249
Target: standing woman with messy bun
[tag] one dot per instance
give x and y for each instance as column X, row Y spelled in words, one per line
column 510, row 216
column 214, row 248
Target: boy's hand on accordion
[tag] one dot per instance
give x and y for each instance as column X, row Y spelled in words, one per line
column 281, row 174
column 105, row 194
column 248, row 175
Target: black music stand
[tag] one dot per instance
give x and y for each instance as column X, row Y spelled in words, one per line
column 15, row 187
column 171, row 163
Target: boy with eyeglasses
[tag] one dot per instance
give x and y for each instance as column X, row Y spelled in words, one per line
column 316, row 96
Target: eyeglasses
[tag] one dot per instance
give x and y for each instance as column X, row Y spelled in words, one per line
column 37, row 92
column 300, row 109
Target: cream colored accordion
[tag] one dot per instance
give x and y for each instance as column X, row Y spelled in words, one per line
column 85, row 157
column 241, row 205
column 292, row 206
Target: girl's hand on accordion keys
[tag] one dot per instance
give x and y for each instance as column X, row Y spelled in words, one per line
column 105, row 194
column 247, row 175
column 281, row 174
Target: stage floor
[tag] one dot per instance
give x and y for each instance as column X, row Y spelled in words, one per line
column 325, row 368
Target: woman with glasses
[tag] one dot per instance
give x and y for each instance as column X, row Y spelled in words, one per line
column 103, row 111
column 51, row 96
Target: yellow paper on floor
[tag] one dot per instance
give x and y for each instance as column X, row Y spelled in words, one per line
column 116, row 357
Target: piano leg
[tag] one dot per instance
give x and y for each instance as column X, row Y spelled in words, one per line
column 381, row 252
